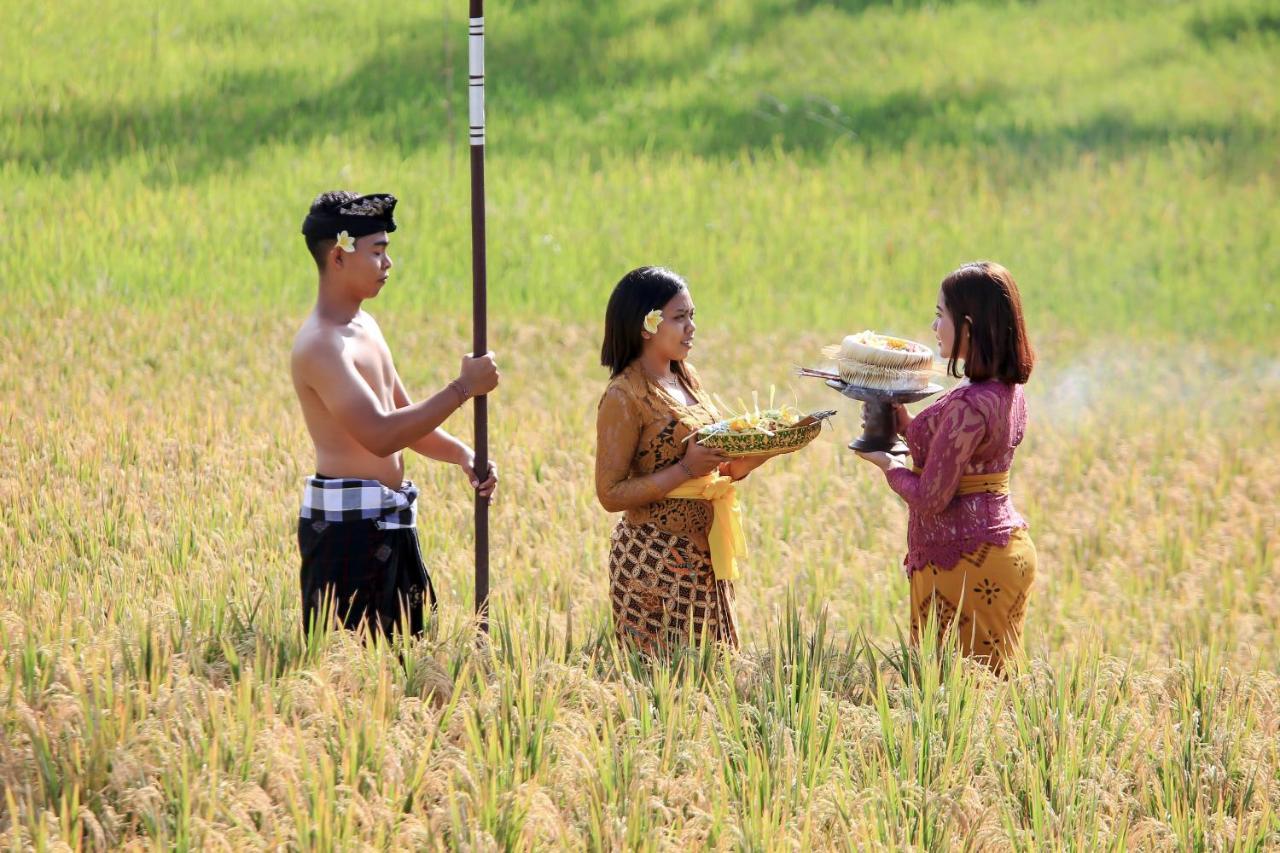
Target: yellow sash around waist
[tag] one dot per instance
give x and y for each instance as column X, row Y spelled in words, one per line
column 725, row 537
column 976, row 484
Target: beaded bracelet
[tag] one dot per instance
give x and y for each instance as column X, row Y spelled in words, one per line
column 687, row 470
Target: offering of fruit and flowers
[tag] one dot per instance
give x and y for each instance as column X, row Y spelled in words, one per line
column 763, row 432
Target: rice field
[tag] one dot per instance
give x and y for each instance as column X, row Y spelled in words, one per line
column 814, row 168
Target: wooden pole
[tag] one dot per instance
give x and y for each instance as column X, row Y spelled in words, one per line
column 479, row 297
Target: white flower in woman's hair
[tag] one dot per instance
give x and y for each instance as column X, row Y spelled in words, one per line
column 346, row 242
column 651, row 321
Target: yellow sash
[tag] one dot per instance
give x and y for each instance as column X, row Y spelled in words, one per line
column 976, row 484
column 725, row 538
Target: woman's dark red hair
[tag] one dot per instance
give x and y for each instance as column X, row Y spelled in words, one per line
column 983, row 299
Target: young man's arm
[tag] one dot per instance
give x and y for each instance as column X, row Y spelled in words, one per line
column 323, row 367
column 444, row 447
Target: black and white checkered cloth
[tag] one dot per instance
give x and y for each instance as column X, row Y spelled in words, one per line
column 340, row 499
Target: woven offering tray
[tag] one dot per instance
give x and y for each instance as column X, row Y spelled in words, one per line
column 763, row 434
column 882, row 362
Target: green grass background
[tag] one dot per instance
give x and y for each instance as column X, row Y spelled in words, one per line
column 807, row 165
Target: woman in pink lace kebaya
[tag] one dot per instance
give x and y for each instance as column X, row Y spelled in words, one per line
column 970, row 559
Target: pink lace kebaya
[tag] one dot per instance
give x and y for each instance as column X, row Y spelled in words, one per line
column 973, row 429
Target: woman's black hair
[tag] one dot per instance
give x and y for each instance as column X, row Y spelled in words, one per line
column 639, row 292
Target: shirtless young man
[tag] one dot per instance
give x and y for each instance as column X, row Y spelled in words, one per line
column 357, row 528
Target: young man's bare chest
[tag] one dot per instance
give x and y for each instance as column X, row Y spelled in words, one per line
column 372, row 359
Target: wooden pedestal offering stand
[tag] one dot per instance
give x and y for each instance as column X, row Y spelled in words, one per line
column 879, row 432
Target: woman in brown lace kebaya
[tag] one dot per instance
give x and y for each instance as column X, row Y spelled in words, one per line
column 677, row 495
column 970, row 560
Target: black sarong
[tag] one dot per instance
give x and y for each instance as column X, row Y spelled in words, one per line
column 364, row 574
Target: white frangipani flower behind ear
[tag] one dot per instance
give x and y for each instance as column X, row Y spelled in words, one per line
column 346, row 242
column 651, row 321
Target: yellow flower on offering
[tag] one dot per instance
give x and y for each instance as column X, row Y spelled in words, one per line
column 345, row 242
column 651, row 321
column 754, row 420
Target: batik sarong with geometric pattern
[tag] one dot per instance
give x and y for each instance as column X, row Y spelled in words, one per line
column 664, row 591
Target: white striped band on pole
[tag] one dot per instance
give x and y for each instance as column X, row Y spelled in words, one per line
column 476, row 81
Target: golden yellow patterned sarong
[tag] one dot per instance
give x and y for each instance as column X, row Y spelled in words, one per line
column 983, row 598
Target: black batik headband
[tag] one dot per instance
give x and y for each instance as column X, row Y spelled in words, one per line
column 367, row 214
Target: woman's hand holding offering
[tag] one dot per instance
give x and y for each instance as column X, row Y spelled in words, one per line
column 699, row 461
column 742, row 466
column 884, row 461
column 901, row 418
